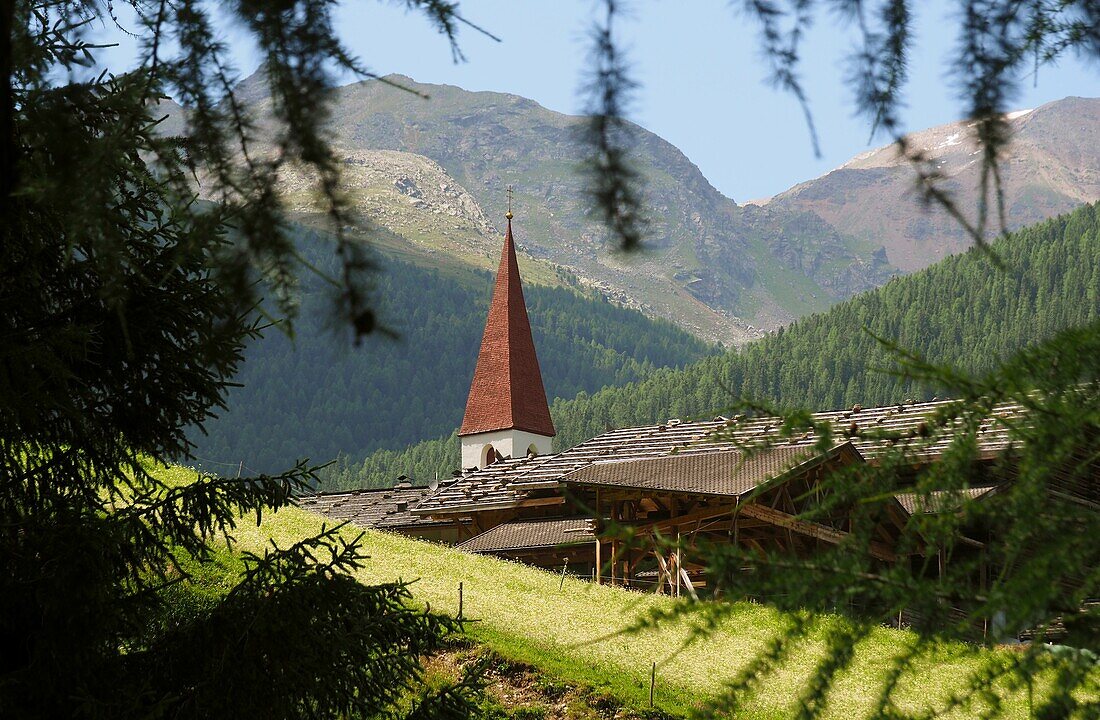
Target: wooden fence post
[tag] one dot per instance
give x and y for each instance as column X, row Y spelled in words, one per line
column 460, row 600
column 652, row 681
column 678, row 558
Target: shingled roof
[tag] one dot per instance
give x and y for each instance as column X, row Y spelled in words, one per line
column 373, row 509
column 940, row 501
column 507, row 391
column 531, row 534
column 726, row 472
column 872, row 431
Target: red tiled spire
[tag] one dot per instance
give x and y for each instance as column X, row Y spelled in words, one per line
column 507, row 391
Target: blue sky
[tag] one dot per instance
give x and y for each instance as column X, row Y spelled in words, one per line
column 702, row 77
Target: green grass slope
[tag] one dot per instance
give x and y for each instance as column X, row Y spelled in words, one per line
column 963, row 311
column 571, row 633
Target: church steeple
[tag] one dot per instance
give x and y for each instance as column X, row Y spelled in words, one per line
column 506, row 412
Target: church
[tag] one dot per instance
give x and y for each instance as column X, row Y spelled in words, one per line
column 736, row 479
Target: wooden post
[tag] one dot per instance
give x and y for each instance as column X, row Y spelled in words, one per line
column 678, row 564
column 664, row 575
column 614, row 542
column 598, row 571
column 615, row 517
column 652, row 681
column 460, row 600
column 628, row 569
column 564, row 567
column 983, row 582
column 688, row 585
column 614, row 558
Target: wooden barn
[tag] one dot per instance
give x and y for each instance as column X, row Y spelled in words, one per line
column 732, row 480
column 736, row 480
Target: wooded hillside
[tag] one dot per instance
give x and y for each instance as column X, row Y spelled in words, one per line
column 963, row 311
column 314, row 396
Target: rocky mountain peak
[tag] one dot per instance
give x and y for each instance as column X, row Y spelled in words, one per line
column 434, row 170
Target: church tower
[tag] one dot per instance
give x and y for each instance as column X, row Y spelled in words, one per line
column 506, row 412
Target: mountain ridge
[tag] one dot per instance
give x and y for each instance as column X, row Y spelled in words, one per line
column 707, row 265
column 723, row 271
column 1052, row 166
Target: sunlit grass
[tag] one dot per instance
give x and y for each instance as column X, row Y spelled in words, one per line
column 520, row 613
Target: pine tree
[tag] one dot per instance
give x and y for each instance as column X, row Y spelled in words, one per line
column 125, row 303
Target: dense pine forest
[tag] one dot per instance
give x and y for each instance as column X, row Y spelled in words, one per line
column 312, row 397
column 964, row 311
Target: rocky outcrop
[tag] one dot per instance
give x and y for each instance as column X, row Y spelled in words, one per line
column 408, row 194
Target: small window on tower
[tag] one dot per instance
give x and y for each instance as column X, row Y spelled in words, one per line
column 532, row 451
column 488, row 455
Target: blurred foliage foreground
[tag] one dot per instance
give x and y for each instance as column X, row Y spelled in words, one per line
column 1021, row 559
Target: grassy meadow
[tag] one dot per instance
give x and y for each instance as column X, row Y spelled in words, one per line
column 571, row 633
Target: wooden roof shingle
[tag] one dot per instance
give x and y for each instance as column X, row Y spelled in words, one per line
column 871, row 431
column 939, row 501
column 372, row 509
column 726, row 472
column 531, row 534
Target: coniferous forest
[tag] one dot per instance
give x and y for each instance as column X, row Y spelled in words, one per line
column 307, row 395
column 964, row 312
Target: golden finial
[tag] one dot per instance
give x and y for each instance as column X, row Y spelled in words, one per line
column 509, row 213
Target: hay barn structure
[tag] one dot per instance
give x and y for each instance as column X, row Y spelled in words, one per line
column 738, row 480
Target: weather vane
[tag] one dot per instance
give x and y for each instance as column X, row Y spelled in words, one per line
column 509, row 193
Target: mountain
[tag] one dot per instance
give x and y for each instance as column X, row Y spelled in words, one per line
column 963, row 311
column 314, row 396
column 431, row 165
column 719, row 270
column 411, row 196
column 1052, row 166
column 433, row 171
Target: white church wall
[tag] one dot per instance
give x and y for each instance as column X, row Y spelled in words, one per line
column 508, row 443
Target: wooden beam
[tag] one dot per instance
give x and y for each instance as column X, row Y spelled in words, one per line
column 812, row 529
column 707, row 513
column 539, row 502
column 662, row 570
column 755, row 544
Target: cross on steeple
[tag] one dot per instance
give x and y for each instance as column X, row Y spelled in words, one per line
column 509, row 193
